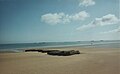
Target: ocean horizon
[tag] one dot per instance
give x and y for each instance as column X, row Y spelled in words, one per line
column 20, row 47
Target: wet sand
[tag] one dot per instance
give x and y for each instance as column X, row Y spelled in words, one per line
column 90, row 61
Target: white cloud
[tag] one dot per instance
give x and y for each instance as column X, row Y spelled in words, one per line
column 86, row 3
column 80, row 16
column 109, row 19
column 117, row 30
column 61, row 18
column 106, row 20
column 52, row 18
column 85, row 27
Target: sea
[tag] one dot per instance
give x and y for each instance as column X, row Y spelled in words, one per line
column 20, row 47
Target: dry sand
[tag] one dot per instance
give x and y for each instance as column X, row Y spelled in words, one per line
column 91, row 61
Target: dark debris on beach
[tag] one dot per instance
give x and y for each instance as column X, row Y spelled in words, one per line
column 55, row 52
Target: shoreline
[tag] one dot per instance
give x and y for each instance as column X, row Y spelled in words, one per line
column 97, row 45
column 17, row 50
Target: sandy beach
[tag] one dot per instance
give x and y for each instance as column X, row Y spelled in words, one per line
column 90, row 61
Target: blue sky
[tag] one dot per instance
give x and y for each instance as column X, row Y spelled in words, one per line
column 23, row 21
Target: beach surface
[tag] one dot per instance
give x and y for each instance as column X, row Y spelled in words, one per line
column 90, row 61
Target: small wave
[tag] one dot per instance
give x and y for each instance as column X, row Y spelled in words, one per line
column 10, row 51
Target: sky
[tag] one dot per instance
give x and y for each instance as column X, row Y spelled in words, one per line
column 27, row 21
